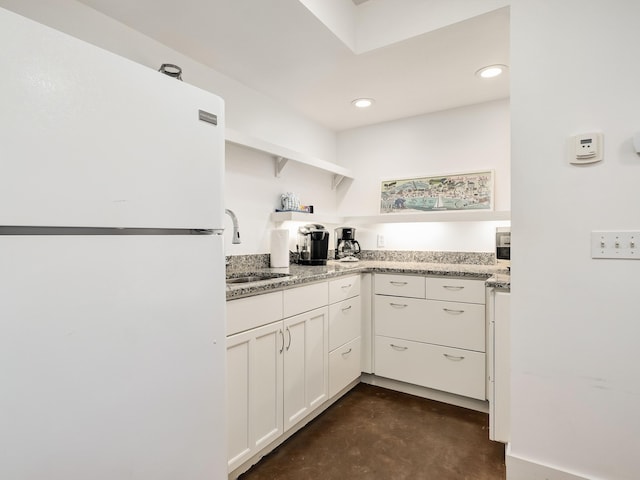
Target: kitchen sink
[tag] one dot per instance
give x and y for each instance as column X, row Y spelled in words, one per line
column 256, row 277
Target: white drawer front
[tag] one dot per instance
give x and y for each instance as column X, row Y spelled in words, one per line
column 247, row 313
column 343, row 288
column 399, row 317
column 399, row 285
column 344, row 322
column 344, row 366
column 448, row 369
column 303, row 299
column 456, row 290
column 459, row 325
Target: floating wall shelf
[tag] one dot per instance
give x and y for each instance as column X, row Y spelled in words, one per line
column 450, row 216
column 461, row 216
column 281, row 155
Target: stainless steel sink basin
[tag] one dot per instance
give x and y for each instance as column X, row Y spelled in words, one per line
column 256, row 278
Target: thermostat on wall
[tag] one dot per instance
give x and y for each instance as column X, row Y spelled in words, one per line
column 586, row 148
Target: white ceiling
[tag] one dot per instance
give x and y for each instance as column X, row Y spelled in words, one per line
column 279, row 47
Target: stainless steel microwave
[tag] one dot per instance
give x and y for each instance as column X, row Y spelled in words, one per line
column 503, row 243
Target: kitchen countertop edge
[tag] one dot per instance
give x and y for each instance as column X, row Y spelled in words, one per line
column 298, row 275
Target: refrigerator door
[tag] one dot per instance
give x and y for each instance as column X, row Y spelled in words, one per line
column 91, row 139
column 112, row 357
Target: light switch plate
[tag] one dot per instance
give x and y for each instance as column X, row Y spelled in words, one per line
column 615, row 244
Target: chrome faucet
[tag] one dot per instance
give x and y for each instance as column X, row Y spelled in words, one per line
column 236, row 233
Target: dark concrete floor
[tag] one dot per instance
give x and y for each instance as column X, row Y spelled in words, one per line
column 379, row 434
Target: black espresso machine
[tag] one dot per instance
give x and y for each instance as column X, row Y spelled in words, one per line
column 313, row 244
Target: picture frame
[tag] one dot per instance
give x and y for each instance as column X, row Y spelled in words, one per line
column 435, row 193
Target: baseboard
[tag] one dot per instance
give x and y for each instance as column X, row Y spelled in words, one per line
column 424, row 392
column 519, row 468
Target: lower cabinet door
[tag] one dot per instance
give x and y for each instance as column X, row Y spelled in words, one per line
column 442, row 368
column 254, row 391
column 306, row 364
column 344, row 366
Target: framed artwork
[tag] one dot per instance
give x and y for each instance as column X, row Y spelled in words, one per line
column 457, row 191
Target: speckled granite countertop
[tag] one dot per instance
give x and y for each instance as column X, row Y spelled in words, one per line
column 301, row 274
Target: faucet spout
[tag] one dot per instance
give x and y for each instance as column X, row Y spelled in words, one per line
column 236, row 233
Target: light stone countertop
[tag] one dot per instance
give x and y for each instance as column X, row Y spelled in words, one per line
column 302, row 274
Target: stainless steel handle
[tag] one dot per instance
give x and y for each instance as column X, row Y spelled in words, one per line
column 282, row 335
column 289, row 344
column 397, row 284
column 398, row 305
column 452, row 287
column 347, row 308
column 347, row 352
column 398, row 347
column 346, row 286
column 452, row 357
column 453, row 312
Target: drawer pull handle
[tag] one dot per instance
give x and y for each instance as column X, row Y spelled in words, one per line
column 397, row 284
column 289, row 344
column 452, row 287
column 398, row 347
column 453, row 312
column 452, row 357
column 344, row 354
column 346, row 286
column 346, row 308
column 398, row 305
column 282, row 335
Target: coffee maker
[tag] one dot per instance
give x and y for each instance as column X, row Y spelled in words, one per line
column 313, row 244
column 346, row 244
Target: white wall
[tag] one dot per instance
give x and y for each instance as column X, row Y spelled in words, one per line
column 575, row 330
column 253, row 192
column 470, row 138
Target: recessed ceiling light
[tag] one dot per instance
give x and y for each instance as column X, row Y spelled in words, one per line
column 362, row 102
column 491, row 71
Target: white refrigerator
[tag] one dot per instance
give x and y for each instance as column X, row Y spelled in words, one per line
column 112, row 352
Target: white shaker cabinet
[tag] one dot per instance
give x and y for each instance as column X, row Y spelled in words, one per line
column 430, row 331
column 254, row 390
column 277, row 367
column 306, row 364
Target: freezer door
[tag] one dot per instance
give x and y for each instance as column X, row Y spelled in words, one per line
column 92, row 139
column 112, row 358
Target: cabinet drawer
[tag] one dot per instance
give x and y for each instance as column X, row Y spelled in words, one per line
column 247, row 313
column 344, row 366
column 456, row 290
column 448, row 369
column 343, row 288
column 344, row 322
column 459, row 325
column 303, row 299
column 400, row 285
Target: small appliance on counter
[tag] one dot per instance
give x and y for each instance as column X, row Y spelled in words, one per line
column 347, row 247
column 503, row 246
column 313, row 244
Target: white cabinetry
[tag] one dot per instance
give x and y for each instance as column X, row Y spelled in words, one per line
column 344, row 332
column 254, row 390
column 306, row 364
column 431, row 332
column 277, row 365
column 499, row 366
